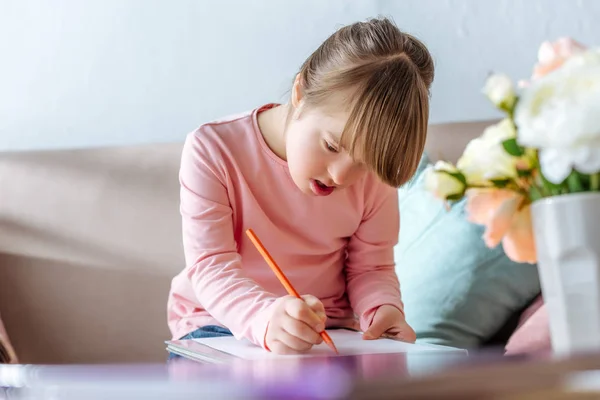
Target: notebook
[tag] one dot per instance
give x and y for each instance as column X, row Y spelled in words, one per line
column 227, row 348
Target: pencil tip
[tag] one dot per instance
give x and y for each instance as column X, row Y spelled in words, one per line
column 335, row 350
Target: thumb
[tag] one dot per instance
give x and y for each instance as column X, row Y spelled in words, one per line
column 377, row 328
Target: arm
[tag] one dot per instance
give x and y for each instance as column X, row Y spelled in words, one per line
column 370, row 274
column 213, row 264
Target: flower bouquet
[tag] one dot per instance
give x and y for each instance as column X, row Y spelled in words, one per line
column 533, row 181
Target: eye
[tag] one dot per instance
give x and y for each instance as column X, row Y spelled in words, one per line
column 330, row 147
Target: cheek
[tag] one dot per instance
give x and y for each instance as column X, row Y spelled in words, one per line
column 298, row 155
column 357, row 173
column 302, row 141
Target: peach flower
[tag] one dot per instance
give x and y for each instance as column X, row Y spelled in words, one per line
column 551, row 55
column 506, row 219
column 519, row 243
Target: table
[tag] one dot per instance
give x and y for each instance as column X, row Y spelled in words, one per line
column 398, row 376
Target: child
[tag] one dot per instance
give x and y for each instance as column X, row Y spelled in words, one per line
column 316, row 180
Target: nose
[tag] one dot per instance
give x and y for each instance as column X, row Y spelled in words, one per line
column 341, row 171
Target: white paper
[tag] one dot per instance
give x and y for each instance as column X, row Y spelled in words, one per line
column 347, row 342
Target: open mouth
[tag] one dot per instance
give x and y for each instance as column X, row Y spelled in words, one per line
column 321, row 189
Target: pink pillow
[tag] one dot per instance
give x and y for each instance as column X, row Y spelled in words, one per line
column 533, row 333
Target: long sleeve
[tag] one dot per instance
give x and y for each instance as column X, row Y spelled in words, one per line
column 213, row 265
column 371, row 277
column 338, row 248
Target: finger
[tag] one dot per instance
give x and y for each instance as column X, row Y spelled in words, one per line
column 300, row 330
column 402, row 331
column 278, row 347
column 316, row 305
column 407, row 337
column 377, row 328
column 293, row 343
column 298, row 309
column 406, row 334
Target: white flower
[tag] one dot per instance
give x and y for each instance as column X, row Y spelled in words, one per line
column 485, row 158
column 559, row 114
column 500, row 90
column 587, row 58
column 444, row 181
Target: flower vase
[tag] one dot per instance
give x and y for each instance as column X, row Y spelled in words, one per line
column 567, row 238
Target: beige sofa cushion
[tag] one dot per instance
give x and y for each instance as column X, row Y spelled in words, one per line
column 90, row 240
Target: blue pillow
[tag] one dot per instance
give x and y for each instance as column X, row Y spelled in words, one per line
column 456, row 291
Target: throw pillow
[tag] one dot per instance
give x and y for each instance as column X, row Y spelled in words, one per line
column 456, row 291
column 533, row 333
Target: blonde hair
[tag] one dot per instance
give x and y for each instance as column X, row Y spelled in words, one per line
column 390, row 73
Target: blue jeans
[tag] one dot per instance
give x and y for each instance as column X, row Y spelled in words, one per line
column 207, row 331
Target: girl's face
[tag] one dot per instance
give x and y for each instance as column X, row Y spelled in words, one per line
column 317, row 162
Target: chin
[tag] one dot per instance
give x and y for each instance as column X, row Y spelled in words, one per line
column 304, row 188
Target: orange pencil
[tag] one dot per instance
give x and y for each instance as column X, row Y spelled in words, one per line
column 283, row 279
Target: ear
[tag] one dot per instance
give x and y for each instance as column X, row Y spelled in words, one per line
column 297, row 95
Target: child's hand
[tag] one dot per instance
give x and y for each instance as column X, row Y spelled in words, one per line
column 390, row 321
column 295, row 325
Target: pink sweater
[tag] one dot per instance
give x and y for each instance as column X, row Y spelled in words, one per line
column 338, row 248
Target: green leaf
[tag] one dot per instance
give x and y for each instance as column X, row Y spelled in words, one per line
column 512, row 147
column 509, row 106
column 595, row 181
column 455, row 197
column 573, row 182
column 523, row 173
column 551, row 189
column 456, row 175
column 535, row 193
column 460, row 177
column 500, row 183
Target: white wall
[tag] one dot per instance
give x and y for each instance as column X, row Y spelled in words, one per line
column 100, row 72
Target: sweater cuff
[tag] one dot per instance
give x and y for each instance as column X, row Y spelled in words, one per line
column 258, row 330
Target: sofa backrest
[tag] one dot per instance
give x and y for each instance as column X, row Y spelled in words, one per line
column 90, row 240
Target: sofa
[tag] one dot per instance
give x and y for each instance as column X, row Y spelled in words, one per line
column 90, row 240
